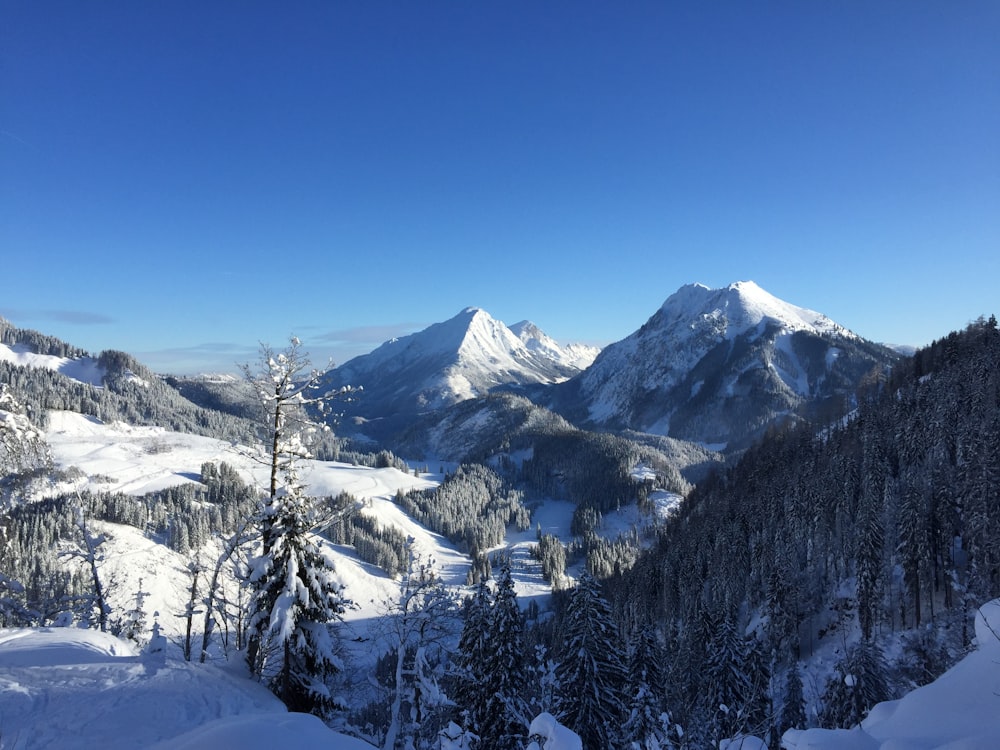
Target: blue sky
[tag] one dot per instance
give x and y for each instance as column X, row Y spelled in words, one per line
column 182, row 180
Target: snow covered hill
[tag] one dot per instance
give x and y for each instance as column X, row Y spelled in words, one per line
column 82, row 689
column 83, row 369
column 717, row 365
column 136, row 460
column 958, row 711
column 461, row 358
column 71, row 688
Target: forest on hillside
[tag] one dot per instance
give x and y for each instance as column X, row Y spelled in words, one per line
column 878, row 531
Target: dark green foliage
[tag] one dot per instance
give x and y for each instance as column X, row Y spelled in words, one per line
column 296, row 602
column 504, row 718
column 552, row 555
column 859, row 681
column 384, row 546
column 592, row 673
column 183, row 517
column 793, row 710
column 125, row 399
column 809, row 528
column 37, row 342
column 648, row 724
column 472, row 507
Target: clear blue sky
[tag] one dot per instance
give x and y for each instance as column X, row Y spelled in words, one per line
column 184, row 179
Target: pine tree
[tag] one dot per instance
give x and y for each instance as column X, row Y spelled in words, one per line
column 793, row 713
column 296, row 601
column 22, row 445
column 727, row 683
column 471, row 690
column 295, row 597
column 505, row 720
column 859, row 682
column 648, row 723
column 592, row 670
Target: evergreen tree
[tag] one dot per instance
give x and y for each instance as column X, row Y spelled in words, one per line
column 296, row 601
column 471, row 689
column 648, row 724
column 591, row 672
column 505, row 720
column 793, row 713
column 859, row 681
column 295, row 597
column 22, row 444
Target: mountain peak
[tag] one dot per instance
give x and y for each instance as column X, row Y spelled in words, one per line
column 463, row 357
column 735, row 309
column 716, row 365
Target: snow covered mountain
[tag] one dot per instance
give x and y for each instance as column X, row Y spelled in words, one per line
column 717, row 366
column 461, row 358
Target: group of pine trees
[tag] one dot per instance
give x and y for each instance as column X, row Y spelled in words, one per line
column 477, row 677
column 882, row 527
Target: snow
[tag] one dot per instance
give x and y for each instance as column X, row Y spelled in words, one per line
column 577, row 356
column 137, row 460
column 84, row 370
column 744, row 305
column 692, row 322
column 958, row 711
column 70, row 688
column 554, row 735
column 461, row 358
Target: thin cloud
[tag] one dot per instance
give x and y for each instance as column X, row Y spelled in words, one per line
column 213, row 356
column 76, row 317
column 368, row 334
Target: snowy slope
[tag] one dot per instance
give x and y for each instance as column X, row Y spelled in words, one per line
column 958, row 711
column 81, row 689
column 71, row 688
column 715, row 365
column 83, row 369
column 573, row 356
column 137, row 460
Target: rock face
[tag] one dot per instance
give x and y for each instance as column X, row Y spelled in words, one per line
column 717, row 366
column 462, row 358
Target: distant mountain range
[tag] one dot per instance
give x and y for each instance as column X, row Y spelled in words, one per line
column 710, row 366
column 713, row 366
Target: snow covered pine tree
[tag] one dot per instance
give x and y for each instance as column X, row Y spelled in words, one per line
column 296, row 598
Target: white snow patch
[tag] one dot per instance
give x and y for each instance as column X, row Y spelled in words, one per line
column 84, row 370
column 958, row 711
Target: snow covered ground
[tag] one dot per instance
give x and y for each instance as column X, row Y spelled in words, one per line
column 958, row 711
column 75, row 689
column 71, row 688
column 68, row 688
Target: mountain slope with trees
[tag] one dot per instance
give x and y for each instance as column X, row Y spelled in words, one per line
column 880, row 533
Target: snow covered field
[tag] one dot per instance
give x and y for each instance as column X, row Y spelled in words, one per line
column 958, row 711
column 80, row 689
